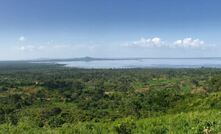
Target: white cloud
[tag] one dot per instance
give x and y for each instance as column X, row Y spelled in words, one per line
column 157, row 42
column 178, row 42
column 22, row 38
column 144, row 47
column 150, row 42
column 189, row 43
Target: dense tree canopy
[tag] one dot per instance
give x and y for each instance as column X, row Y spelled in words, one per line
column 52, row 96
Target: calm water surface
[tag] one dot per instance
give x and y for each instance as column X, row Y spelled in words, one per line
column 146, row 63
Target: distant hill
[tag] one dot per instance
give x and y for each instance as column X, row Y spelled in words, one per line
column 87, row 58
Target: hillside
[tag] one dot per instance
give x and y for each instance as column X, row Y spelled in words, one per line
column 48, row 98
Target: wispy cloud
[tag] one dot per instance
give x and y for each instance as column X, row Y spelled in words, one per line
column 30, row 48
column 56, row 47
column 57, row 50
column 21, row 38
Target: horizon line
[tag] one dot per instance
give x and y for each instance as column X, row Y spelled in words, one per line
column 90, row 58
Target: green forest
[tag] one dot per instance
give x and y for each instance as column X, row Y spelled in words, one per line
column 53, row 99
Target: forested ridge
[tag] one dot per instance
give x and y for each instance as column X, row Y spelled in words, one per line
column 48, row 98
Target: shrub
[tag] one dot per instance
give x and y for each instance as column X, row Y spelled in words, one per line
column 56, row 122
column 159, row 130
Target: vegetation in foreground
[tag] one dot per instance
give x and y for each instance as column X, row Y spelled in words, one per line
column 37, row 98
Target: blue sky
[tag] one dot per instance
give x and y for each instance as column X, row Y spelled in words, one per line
column 109, row 28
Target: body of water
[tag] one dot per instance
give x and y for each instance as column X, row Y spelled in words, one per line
column 145, row 63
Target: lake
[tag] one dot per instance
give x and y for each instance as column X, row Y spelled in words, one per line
column 145, row 63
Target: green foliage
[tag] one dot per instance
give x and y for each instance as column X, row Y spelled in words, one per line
column 54, row 99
